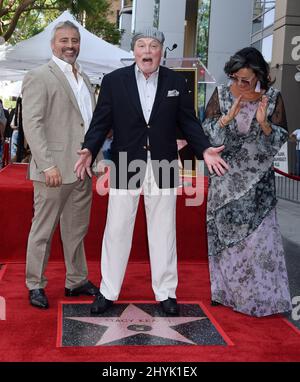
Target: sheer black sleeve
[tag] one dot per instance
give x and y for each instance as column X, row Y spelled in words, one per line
column 279, row 117
column 210, row 125
column 213, row 107
column 272, row 143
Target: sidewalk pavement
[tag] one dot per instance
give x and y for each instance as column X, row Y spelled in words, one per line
column 288, row 214
column 289, row 220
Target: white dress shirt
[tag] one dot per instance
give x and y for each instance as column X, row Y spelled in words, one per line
column 147, row 90
column 80, row 91
column 79, row 88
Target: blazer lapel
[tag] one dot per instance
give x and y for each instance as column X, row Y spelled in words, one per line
column 161, row 90
column 64, row 82
column 131, row 87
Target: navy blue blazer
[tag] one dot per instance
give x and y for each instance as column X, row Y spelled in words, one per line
column 119, row 108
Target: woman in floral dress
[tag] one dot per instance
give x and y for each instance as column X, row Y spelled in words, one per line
column 246, row 256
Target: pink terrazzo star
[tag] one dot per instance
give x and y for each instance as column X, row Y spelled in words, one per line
column 134, row 320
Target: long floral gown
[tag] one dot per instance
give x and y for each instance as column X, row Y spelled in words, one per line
column 246, row 257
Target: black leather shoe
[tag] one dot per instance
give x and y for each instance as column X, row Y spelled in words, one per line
column 100, row 304
column 87, row 289
column 38, row 298
column 170, row 306
column 214, row 303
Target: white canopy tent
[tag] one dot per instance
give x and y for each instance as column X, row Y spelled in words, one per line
column 10, row 89
column 97, row 56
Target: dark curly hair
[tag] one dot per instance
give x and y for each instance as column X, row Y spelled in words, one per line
column 253, row 59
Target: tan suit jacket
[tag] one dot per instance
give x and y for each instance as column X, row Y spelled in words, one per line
column 52, row 121
column 54, row 128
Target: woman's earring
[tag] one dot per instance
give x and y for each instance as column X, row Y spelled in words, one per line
column 257, row 87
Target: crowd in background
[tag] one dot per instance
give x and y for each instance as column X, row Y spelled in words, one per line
column 13, row 145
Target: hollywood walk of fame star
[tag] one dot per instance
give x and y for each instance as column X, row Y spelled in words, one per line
column 134, row 320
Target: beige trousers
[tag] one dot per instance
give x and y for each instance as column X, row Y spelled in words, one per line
column 70, row 205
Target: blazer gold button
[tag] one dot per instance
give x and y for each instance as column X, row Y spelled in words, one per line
column 148, row 126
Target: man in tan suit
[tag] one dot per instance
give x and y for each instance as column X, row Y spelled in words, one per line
column 58, row 102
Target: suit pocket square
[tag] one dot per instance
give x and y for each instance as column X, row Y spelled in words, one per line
column 173, row 93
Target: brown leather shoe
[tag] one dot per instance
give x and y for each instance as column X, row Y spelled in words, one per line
column 88, row 289
column 38, row 298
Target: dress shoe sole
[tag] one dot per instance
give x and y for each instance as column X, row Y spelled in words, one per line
column 214, row 303
column 171, row 313
column 98, row 311
column 73, row 294
column 39, row 306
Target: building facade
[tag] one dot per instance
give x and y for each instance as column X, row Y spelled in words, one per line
column 176, row 18
column 113, row 17
column 285, row 62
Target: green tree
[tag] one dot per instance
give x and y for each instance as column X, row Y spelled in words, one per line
column 21, row 19
column 203, row 30
column 202, row 46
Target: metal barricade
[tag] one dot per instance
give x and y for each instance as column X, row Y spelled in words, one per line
column 287, row 186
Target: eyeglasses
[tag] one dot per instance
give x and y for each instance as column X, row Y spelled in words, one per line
column 242, row 81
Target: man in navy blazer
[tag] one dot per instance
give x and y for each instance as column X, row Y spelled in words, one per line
column 143, row 104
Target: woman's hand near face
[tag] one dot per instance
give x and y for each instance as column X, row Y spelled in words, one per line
column 261, row 114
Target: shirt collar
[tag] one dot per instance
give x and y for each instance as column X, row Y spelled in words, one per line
column 138, row 72
column 65, row 66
